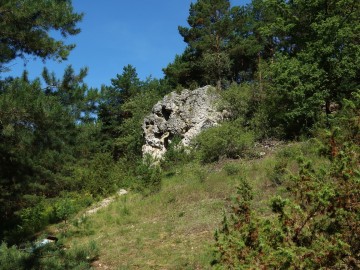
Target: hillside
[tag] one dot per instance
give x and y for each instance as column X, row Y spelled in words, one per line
column 174, row 228
column 197, row 152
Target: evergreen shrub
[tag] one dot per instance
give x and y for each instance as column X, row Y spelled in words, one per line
column 52, row 256
column 94, row 175
column 148, row 176
column 12, row 258
column 237, row 99
column 226, row 140
column 315, row 224
column 231, row 169
column 176, row 154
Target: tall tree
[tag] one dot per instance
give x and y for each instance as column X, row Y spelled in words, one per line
column 73, row 93
column 128, row 144
column 184, row 70
column 243, row 45
column 37, row 134
column 127, row 84
column 37, row 131
column 111, row 112
column 209, row 23
column 25, row 28
column 252, row 39
column 325, row 32
column 318, row 60
column 207, row 37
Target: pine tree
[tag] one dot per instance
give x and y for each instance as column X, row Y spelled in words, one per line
column 73, row 93
column 111, row 112
column 37, row 136
column 313, row 59
column 208, row 36
column 26, row 25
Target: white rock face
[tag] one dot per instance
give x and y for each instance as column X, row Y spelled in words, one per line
column 185, row 114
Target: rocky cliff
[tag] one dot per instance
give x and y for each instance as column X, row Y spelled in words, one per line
column 185, row 114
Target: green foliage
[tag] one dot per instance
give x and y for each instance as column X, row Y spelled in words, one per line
column 36, row 137
column 12, row 258
column 63, row 209
column 246, row 43
column 33, row 218
column 111, row 112
column 42, row 133
column 231, row 169
column 344, row 126
column 73, row 93
column 83, row 226
column 286, row 162
column 83, row 254
column 201, row 174
column 237, row 239
column 216, row 68
column 148, row 177
column 209, row 25
column 63, row 145
column 226, row 140
column 325, row 34
column 294, row 97
column 205, row 60
column 51, row 145
column 95, row 175
column 237, row 99
column 25, row 27
column 127, row 84
column 50, row 256
column 41, row 212
column 315, row 226
column 313, row 64
column 176, row 154
column 182, row 71
column 300, row 57
column 128, row 144
column 246, row 103
column 122, row 109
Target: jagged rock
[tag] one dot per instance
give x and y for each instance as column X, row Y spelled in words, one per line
column 185, row 114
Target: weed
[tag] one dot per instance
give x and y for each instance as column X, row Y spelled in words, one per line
column 231, row 169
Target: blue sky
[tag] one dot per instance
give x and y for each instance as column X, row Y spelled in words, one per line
column 116, row 33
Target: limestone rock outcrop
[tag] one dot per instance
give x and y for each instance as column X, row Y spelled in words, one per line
column 185, row 114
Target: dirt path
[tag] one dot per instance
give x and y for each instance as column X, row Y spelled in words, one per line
column 105, row 202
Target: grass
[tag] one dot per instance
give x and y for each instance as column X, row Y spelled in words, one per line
column 172, row 229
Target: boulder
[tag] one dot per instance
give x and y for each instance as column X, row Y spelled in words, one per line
column 185, row 114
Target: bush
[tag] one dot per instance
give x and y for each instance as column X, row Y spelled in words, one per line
column 63, row 209
column 81, row 255
column 245, row 102
column 176, row 154
column 94, row 176
column 226, row 140
column 283, row 161
column 32, row 219
column 294, row 97
column 49, row 257
column 316, row 225
column 237, row 99
column 12, row 258
column 42, row 211
column 231, row 169
column 147, row 177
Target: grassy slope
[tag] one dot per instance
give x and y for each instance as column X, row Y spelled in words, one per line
column 174, row 228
